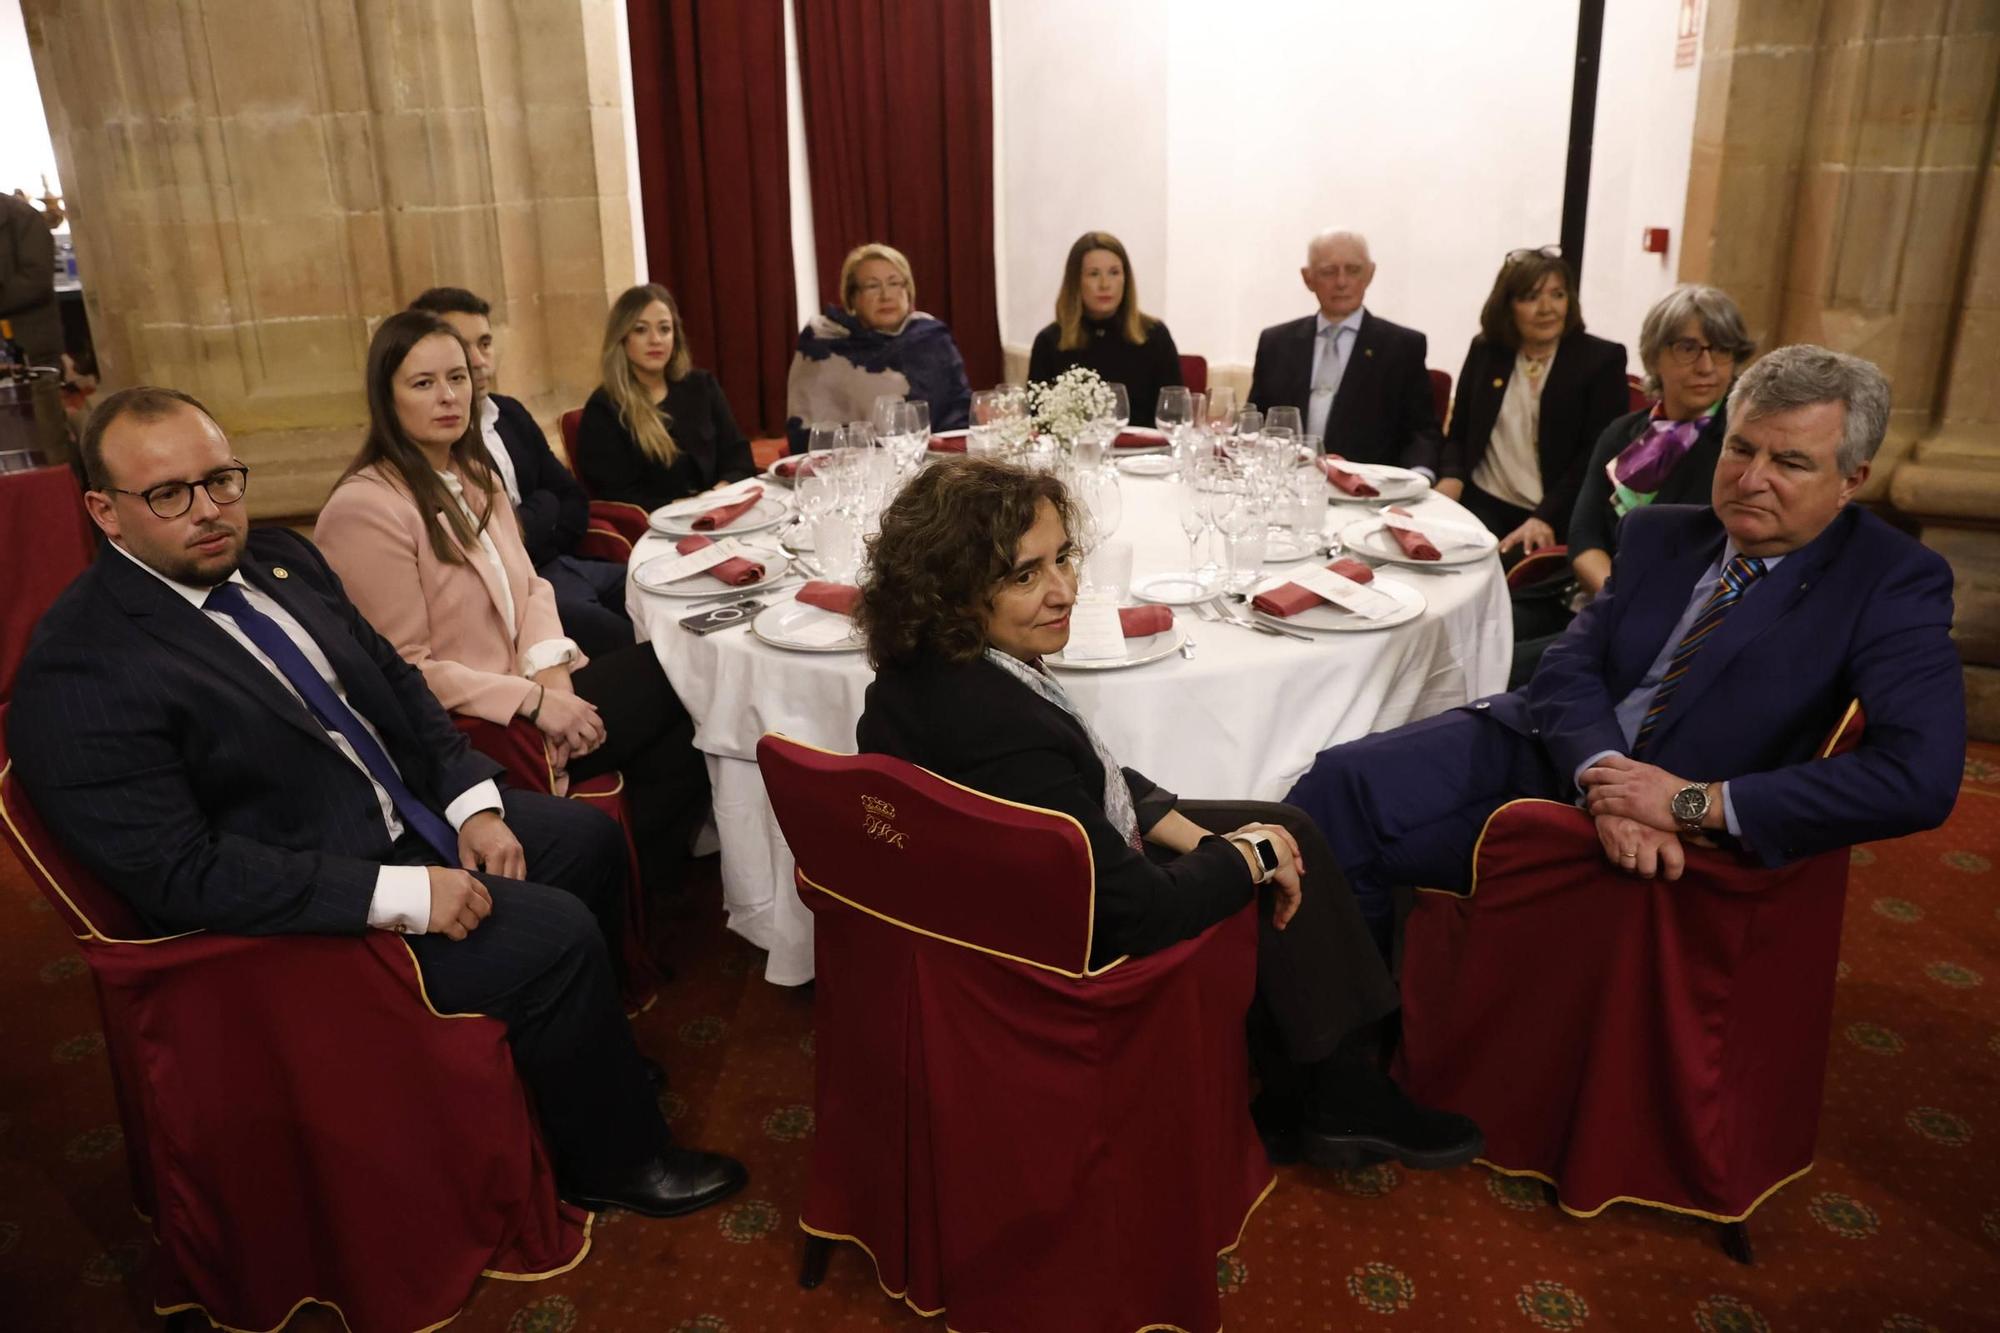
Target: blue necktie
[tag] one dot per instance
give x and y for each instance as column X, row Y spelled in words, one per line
column 334, row 715
column 1737, row 576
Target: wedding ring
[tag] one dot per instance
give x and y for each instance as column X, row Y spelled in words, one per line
column 1629, row 856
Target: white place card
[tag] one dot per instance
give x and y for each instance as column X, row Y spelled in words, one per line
column 1364, row 601
column 1442, row 532
column 672, row 569
column 1095, row 634
column 707, row 500
column 820, row 631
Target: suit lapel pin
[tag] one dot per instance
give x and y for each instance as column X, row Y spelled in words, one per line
column 1367, row 351
column 1499, row 383
column 280, row 572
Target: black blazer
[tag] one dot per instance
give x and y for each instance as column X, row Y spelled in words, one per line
column 1585, row 393
column 975, row 724
column 712, row 449
column 1593, row 527
column 185, row 775
column 554, row 510
column 1383, row 413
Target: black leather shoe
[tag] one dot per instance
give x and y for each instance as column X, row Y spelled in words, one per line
column 656, row 1074
column 1419, row 1137
column 680, row 1180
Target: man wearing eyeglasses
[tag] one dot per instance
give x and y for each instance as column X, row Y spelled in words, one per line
column 1359, row 381
column 209, row 725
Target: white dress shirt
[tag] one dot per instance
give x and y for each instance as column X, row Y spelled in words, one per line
column 402, row 900
column 536, row 656
column 503, row 462
column 1332, row 344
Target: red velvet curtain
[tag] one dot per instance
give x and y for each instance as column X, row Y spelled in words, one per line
column 708, row 93
column 899, row 139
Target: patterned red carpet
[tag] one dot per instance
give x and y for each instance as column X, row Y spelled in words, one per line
column 1897, row 1230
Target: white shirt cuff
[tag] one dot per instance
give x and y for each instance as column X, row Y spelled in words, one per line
column 1729, row 813
column 549, row 652
column 480, row 796
column 1426, row 474
column 402, row 900
column 1576, row 778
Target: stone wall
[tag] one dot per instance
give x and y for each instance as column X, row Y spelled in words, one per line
column 1843, row 188
column 255, row 183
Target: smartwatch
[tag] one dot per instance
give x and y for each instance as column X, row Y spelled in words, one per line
column 1264, row 849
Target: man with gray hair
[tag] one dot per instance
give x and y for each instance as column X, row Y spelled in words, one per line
column 1359, row 381
column 1689, row 699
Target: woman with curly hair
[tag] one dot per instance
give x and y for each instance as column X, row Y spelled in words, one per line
column 970, row 586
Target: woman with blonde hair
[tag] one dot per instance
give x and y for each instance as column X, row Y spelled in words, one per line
column 1099, row 324
column 874, row 344
column 656, row 429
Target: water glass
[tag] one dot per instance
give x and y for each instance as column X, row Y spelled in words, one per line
column 837, row 545
column 985, row 440
column 1109, row 569
column 1244, row 524
column 816, row 487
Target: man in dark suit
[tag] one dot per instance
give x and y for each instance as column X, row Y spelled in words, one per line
column 1359, row 382
column 554, row 511
column 210, row 726
column 1688, row 700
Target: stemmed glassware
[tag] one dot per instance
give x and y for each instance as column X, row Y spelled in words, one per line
column 1174, row 410
column 1121, row 408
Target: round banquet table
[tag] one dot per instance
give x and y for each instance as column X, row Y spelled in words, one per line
column 1240, row 720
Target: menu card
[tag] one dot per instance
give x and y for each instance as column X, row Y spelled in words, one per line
column 672, row 569
column 1095, row 632
column 820, row 630
column 1364, row 601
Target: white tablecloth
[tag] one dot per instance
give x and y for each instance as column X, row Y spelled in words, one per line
column 1241, row 720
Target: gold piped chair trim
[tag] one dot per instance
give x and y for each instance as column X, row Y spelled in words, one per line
column 91, row 932
column 1550, row 1181
column 904, row 1295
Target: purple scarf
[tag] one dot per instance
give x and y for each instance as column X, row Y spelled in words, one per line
column 1649, row 460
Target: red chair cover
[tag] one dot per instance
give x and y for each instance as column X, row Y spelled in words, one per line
column 1441, row 396
column 299, row 1123
column 627, row 520
column 601, row 541
column 1194, row 373
column 1034, row 1147
column 46, row 539
column 1629, row 1041
column 524, row 758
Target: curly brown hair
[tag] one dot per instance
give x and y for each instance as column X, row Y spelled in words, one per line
column 946, row 542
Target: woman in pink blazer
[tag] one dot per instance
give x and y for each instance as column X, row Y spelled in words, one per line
column 423, row 537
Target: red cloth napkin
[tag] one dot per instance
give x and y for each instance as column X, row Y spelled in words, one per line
column 840, row 598
column 1288, row 599
column 953, row 443
column 791, row 469
column 1139, row 439
column 735, row 571
column 724, row 515
column 1415, row 545
column 1139, row 621
column 1352, row 482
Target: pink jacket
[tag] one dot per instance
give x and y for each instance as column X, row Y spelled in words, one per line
column 444, row 619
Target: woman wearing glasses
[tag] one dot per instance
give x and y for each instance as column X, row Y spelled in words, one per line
column 1533, row 396
column 1099, row 325
column 874, row 344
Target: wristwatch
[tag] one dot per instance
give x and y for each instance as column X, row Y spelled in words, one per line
column 1690, row 806
column 1261, row 847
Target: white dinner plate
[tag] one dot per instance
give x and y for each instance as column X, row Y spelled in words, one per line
column 1370, row 537
column 1396, row 484
column 768, row 512
column 772, row 475
column 1290, row 548
column 789, row 625
column 705, row 584
column 1138, row 652
column 1179, row 589
column 1326, row 618
column 1147, row 465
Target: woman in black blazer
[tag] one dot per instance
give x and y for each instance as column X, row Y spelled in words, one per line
column 1693, row 343
column 970, row 586
column 656, row 429
column 1534, row 394
column 1099, row 325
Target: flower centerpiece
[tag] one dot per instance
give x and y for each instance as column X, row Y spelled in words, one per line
column 1071, row 404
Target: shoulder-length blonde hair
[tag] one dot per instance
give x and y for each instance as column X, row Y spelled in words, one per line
column 636, row 409
column 889, row 255
column 1132, row 322
column 389, row 446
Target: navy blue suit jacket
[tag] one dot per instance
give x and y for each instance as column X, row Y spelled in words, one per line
column 187, row 777
column 1862, row 611
column 554, row 511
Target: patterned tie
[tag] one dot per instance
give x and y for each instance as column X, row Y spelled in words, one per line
column 1739, row 574
column 334, row 715
column 1325, row 382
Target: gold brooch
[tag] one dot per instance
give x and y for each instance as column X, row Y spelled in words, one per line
column 1499, row 384
column 280, row 572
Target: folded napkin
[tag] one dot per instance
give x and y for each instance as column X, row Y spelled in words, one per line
column 1139, row 621
column 951, row 442
column 1415, row 545
column 724, row 515
column 1138, row 437
column 735, row 571
column 1288, row 599
column 1352, row 482
column 791, row 469
column 840, row 598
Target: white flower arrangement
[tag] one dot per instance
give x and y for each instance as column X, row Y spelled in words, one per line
column 1071, row 404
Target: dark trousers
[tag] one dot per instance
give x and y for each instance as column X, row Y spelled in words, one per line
column 1320, row 979
column 1406, row 807
column 541, row 964
column 1499, row 517
column 590, row 599
column 649, row 737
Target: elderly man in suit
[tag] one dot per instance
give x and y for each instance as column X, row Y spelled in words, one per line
column 552, row 508
column 210, row 726
column 1359, row 382
column 1687, row 700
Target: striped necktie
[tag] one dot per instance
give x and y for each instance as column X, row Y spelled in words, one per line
column 1738, row 575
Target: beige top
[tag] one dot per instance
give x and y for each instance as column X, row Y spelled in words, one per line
column 1510, row 470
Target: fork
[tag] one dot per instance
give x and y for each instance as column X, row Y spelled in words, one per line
column 1238, row 616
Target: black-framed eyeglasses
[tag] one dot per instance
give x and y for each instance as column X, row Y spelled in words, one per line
column 1687, row 351
column 171, row 499
column 1535, row 252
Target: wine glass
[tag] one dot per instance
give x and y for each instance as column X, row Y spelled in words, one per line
column 824, row 435
column 1174, row 409
column 883, row 415
column 816, row 488
column 915, row 420
column 1283, row 418
column 1121, row 406
column 1221, row 407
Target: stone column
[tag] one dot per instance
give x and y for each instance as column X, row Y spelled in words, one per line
column 256, row 183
